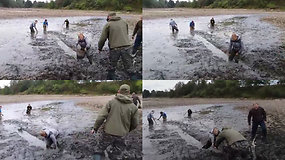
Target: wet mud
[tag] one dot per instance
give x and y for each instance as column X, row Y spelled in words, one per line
column 53, row 54
column 181, row 137
column 20, row 139
column 202, row 53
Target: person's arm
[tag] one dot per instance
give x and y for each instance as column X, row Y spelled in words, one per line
column 134, row 120
column 159, row 117
column 264, row 114
column 88, row 45
column 139, row 100
column 136, row 29
column 103, row 114
column 230, row 46
column 249, row 117
column 103, row 37
column 242, row 47
column 52, row 137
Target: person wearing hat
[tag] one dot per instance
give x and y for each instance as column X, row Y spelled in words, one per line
column 173, row 25
column 50, row 136
column 236, row 144
column 120, row 116
column 150, row 118
column 116, row 31
column 236, row 47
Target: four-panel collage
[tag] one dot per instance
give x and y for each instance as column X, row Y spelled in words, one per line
column 142, row 79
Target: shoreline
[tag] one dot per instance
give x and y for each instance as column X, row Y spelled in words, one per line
column 14, row 13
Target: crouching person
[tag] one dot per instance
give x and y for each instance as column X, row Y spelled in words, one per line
column 120, row 116
column 84, row 47
column 50, row 136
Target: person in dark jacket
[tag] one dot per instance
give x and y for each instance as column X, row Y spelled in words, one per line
column 258, row 116
column 138, row 32
column 192, row 25
column 66, row 22
column 136, row 99
column 163, row 115
column 29, row 109
column 189, row 113
column 84, row 47
column 212, row 22
column 235, row 48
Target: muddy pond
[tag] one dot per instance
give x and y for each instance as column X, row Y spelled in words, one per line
column 181, row 137
column 52, row 54
column 20, row 139
column 201, row 53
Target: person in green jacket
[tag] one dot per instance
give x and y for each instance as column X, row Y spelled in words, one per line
column 116, row 31
column 120, row 116
column 236, row 144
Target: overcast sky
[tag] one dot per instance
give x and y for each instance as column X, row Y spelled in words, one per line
column 160, row 85
column 4, row 83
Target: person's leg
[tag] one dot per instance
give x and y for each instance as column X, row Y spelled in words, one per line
column 137, row 44
column 114, row 58
column 253, row 130
column 263, row 127
column 232, row 55
column 128, row 61
column 172, row 29
column 150, row 121
column 103, row 142
column 236, row 58
column 89, row 56
column 118, row 145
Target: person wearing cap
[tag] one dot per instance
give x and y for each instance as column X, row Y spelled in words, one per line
column 117, row 32
column 236, row 144
column 258, row 116
column 136, row 99
column 33, row 27
column 120, row 116
column 138, row 32
column 150, row 118
column 50, row 136
column 163, row 115
column 236, row 47
column 29, row 109
column 173, row 25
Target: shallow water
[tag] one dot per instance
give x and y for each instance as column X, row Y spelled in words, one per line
column 200, row 54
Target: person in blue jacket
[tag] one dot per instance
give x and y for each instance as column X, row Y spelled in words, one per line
column 192, row 25
column 163, row 115
column 45, row 25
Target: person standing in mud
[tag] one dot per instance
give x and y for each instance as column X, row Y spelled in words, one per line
column 258, row 116
column 212, row 22
column 84, row 47
column 29, row 109
column 120, row 116
column 150, row 118
column 66, row 22
column 45, row 25
column 173, row 26
column 1, row 112
column 235, row 48
column 138, row 32
column 33, row 27
column 50, row 136
column 163, row 115
column 116, row 31
column 189, row 113
column 136, row 100
column 192, row 26
column 237, row 145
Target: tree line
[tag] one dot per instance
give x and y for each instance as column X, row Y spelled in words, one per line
column 272, row 4
column 223, row 89
column 67, row 87
column 122, row 5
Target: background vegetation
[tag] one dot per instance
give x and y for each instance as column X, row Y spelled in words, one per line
column 271, row 4
column 223, row 89
column 122, row 5
column 67, row 87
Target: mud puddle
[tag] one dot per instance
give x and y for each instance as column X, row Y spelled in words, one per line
column 20, row 139
column 181, row 137
column 52, row 54
column 201, row 53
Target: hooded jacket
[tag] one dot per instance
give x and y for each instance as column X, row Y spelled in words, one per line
column 230, row 135
column 236, row 46
column 120, row 114
column 116, row 31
